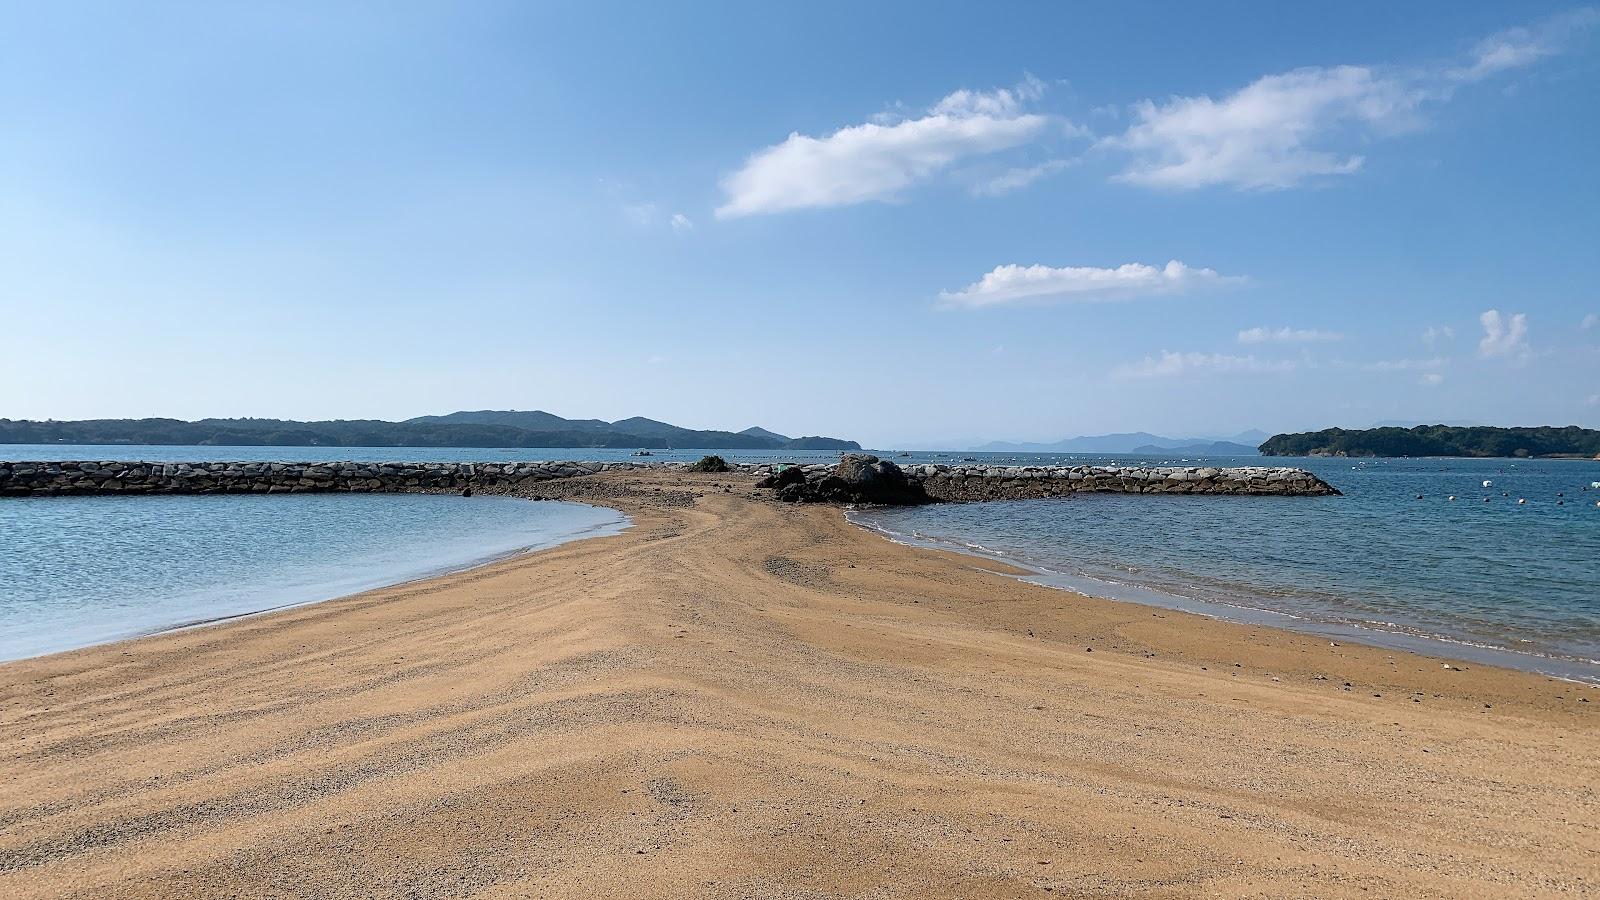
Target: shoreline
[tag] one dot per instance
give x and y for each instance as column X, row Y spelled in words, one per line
column 1577, row 671
column 595, row 531
column 328, row 590
column 736, row 697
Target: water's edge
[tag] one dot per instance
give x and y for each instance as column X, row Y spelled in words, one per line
column 1434, row 648
column 606, row 529
column 609, row 529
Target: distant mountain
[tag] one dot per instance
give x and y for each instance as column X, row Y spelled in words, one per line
column 1251, row 437
column 480, row 428
column 1132, row 442
column 763, row 433
column 1099, row 443
column 1438, row 440
column 1213, row 448
column 531, row 420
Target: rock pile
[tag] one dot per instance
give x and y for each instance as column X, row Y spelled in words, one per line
column 858, row 478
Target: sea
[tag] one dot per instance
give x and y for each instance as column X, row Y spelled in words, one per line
column 1494, row 560
column 77, row 571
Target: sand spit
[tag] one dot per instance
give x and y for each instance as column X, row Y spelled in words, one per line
column 743, row 698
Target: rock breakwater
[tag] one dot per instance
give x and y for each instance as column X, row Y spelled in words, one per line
column 970, row 482
column 84, row 477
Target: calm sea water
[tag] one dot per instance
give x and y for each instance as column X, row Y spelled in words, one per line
column 1481, row 576
column 76, row 571
column 1480, row 573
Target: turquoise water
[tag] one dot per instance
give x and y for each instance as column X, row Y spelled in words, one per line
column 1480, row 573
column 76, row 571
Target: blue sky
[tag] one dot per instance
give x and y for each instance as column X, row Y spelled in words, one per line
column 907, row 224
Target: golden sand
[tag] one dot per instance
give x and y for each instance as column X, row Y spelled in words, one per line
column 737, row 698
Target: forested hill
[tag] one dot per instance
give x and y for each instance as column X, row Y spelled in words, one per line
column 484, row 428
column 1437, row 440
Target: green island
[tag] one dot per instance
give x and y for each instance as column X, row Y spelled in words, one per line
column 480, row 428
column 1439, row 440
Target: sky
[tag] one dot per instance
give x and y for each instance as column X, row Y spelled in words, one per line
column 913, row 225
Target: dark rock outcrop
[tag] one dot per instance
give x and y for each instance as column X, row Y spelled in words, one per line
column 858, row 478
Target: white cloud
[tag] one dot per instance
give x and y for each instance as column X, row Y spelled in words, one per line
column 1287, row 129
column 1431, row 379
column 1518, row 47
column 1434, row 333
column 876, row 161
column 1503, row 335
column 1170, row 363
column 1594, row 399
column 1011, row 283
column 1405, row 365
column 1260, row 335
column 1002, row 103
column 1263, row 136
column 1589, row 321
column 681, row 222
column 1015, row 179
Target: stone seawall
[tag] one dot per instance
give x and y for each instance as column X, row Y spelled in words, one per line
column 22, row 479
column 967, row 483
column 942, row 482
column 975, row 482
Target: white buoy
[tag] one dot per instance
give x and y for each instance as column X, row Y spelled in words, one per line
column 1452, row 496
column 1488, row 483
column 1521, row 501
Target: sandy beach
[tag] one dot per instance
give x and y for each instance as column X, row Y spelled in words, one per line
column 740, row 698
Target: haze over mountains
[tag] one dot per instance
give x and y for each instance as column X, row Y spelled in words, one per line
column 1242, row 444
column 479, row 428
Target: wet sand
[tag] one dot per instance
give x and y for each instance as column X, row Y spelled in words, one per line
column 740, row 698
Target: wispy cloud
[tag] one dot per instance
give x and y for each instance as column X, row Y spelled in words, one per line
column 1589, row 321
column 1018, row 178
column 1014, row 283
column 1435, row 333
column 878, row 160
column 1291, row 128
column 1261, row 335
column 641, row 214
column 1405, row 365
column 1518, row 47
column 1170, row 364
column 1431, row 379
column 1264, row 135
column 681, row 223
column 1503, row 335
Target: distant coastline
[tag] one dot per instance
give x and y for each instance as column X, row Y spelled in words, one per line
column 1570, row 442
column 480, row 428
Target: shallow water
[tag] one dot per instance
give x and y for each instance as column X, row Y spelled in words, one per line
column 76, row 571
column 1482, row 570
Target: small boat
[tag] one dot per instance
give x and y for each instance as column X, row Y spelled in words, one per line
column 1488, row 483
column 643, row 453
